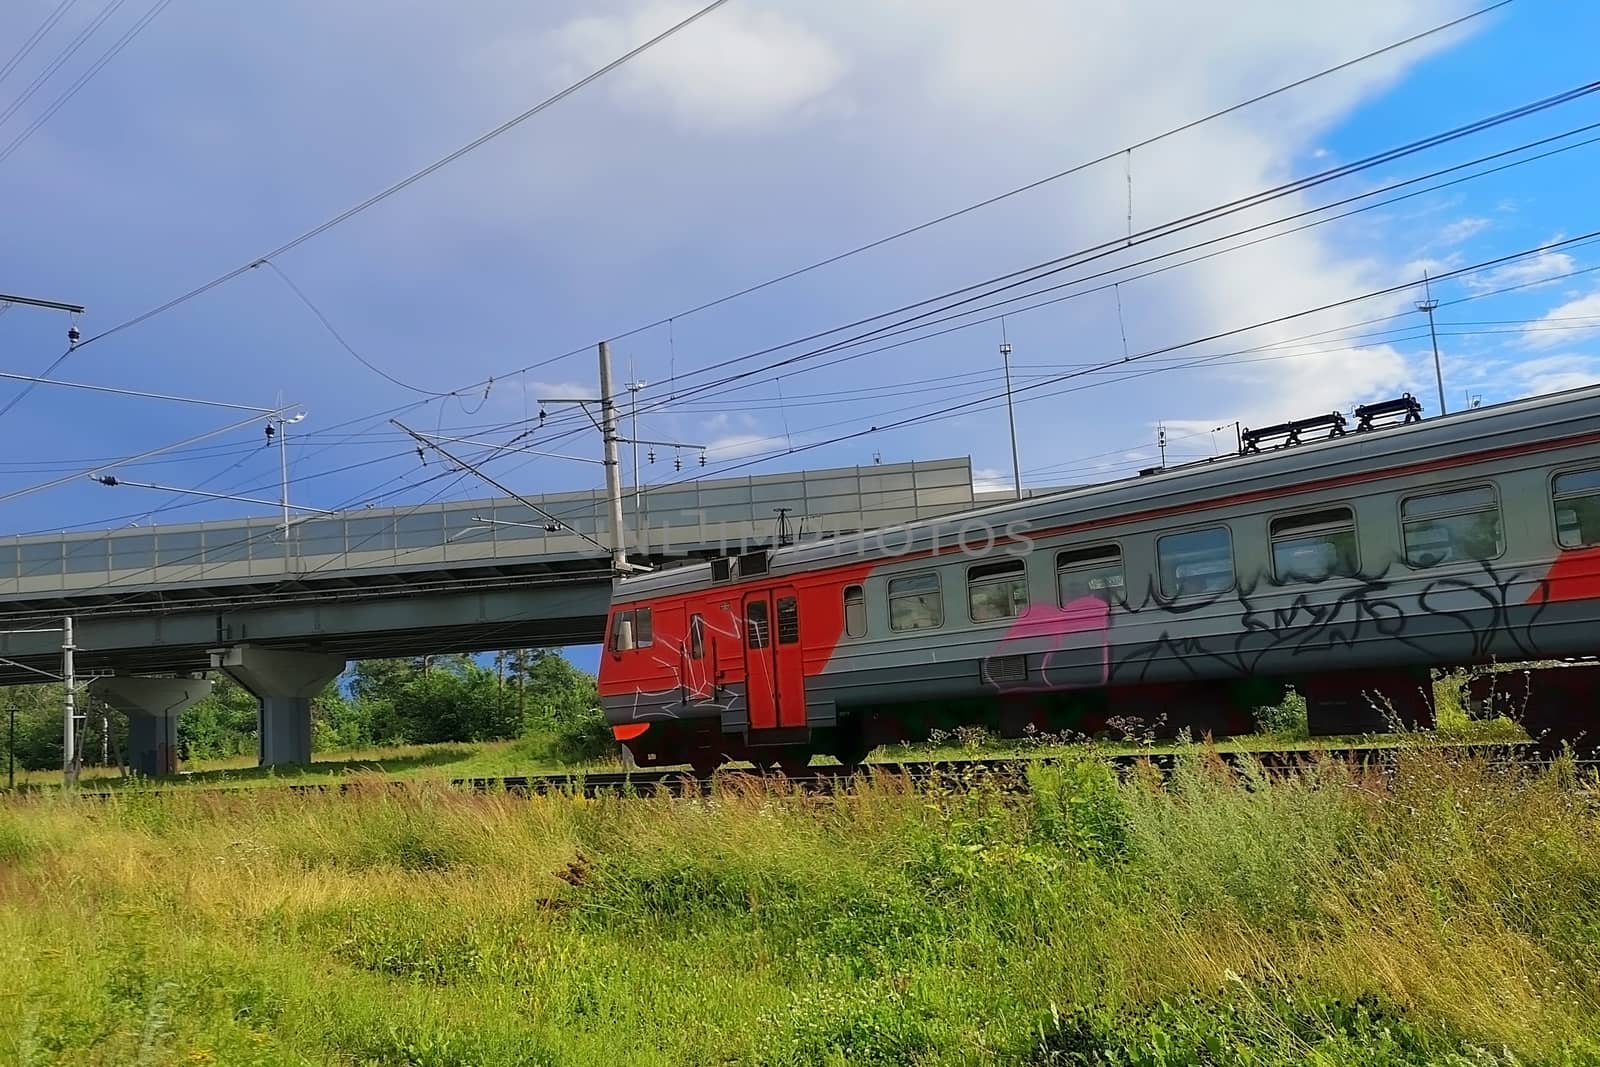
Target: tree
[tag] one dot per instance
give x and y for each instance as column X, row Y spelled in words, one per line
column 220, row 725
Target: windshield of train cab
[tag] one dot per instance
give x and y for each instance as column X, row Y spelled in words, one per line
column 631, row 629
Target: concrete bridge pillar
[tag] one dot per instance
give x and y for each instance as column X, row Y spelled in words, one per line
column 284, row 681
column 152, row 706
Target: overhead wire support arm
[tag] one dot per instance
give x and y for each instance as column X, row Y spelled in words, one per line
column 74, row 335
column 425, row 441
column 113, row 480
column 48, row 305
column 583, row 403
column 513, row 447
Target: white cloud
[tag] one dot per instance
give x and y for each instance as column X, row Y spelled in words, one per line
column 741, row 445
column 1557, row 326
column 733, row 70
column 574, row 390
column 1551, row 374
column 1543, row 268
column 991, row 480
column 1464, row 229
column 1430, row 265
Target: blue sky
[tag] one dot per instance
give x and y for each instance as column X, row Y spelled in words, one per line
column 770, row 135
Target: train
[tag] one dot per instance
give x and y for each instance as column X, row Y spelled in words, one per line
column 1346, row 562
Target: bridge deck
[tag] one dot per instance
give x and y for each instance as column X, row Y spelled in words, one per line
column 395, row 581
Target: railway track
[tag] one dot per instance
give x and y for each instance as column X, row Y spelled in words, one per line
column 1005, row 772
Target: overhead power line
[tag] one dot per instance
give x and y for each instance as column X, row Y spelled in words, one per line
column 417, row 176
column 1010, row 305
column 997, row 398
column 27, row 46
column 376, row 198
column 61, row 58
column 889, row 331
column 946, row 303
column 1076, row 168
column 399, row 186
column 1068, row 172
column 337, row 336
column 85, row 78
column 999, row 306
column 926, row 336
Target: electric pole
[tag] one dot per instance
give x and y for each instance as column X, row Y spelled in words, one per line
column 1427, row 304
column 69, row 710
column 276, row 427
column 608, row 433
column 1011, row 413
column 633, row 388
column 607, row 425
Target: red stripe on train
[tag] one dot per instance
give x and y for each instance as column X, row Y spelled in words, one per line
column 1573, row 576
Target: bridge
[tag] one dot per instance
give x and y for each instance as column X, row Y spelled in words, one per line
column 281, row 608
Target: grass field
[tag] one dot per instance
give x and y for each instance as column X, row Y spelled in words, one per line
column 1450, row 915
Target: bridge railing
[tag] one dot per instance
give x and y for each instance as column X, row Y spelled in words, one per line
column 696, row 515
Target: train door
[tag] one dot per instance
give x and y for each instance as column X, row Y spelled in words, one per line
column 774, row 670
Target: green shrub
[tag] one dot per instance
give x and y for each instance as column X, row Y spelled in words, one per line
column 578, row 737
column 1269, row 1028
column 1077, row 805
column 1286, row 719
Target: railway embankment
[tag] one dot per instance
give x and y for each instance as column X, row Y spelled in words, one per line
column 1443, row 910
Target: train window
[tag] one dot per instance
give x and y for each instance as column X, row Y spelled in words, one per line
column 788, row 621
column 915, row 602
column 1195, row 562
column 997, row 590
column 855, row 611
column 1314, row 545
column 697, row 637
column 757, row 630
column 630, row 629
column 642, row 635
column 1577, row 501
column 1463, row 524
column 1090, row 572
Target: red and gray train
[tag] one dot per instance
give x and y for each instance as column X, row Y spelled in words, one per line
column 1348, row 567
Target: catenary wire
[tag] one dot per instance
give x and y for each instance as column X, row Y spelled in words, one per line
column 32, row 41
column 1184, row 127
column 1032, row 185
column 413, row 178
column 1032, row 274
column 967, row 405
column 61, row 59
column 86, row 77
column 337, row 336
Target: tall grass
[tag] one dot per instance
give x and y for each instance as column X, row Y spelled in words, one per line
column 1447, row 914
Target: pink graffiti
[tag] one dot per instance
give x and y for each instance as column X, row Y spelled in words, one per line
column 1044, row 627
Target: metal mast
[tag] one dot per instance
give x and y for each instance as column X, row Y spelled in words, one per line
column 633, row 388
column 69, row 709
column 1011, row 413
column 1427, row 304
column 608, row 431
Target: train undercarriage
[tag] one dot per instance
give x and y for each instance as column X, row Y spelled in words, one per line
column 1553, row 702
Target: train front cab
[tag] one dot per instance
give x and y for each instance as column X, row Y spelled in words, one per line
column 710, row 678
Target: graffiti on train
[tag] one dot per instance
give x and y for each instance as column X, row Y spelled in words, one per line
column 1260, row 627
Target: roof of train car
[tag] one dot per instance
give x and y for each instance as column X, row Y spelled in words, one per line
column 1181, row 486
